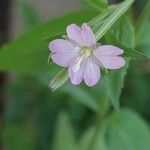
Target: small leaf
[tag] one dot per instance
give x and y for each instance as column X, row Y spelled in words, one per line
column 127, row 131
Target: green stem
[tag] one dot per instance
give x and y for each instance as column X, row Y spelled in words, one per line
column 102, row 113
column 102, row 15
column 121, row 9
column 97, row 127
column 98, row 18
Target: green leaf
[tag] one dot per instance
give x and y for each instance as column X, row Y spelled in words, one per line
column 128, row 52
column 122, row 130
column 29, row 53
column 64, row 138
column 116, row 36
column 115, row 79
column 114, row 82
column 133, row 54
column 127, row 131
column 94, row 98
column 98, row 4
column 123, row 32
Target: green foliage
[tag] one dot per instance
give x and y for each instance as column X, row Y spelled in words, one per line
column 29, row 53
column 22, row 56
column 30, row 58
column 136, row 92
column 30, row 114
column 31, row 110
column 123, row 130
column 117, row 13
column 114, row 82
column 127, row 131
column 115, row 79
column 92, row 137
column 17, row 136
column 128, row 52
column 94, row 98
column 64, row 139
column 122, row 33
column 82, row 96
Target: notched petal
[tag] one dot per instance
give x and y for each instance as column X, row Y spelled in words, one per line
column 61, row 46
column 74, row 33
column 111, row 62
column 88, row 36
column 63, row 60
column 107, row 50
column 91, row 73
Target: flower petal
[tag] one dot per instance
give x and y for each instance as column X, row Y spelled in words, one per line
column 63, row 60
column 107, row 50
column 61, row 46
column 111, row 62
column 76, row 70
column 74, row 33
column 91, row 73
column 87, row 35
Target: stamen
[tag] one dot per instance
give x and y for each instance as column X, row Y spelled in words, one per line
column 87, row 51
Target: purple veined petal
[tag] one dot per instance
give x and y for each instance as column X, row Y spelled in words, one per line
column 88, row 36
column 76, row 70
column 63, row 60
column 74, row 33
column 111, row 62
column 107, row 50
column 61, row 46
column 91, row 73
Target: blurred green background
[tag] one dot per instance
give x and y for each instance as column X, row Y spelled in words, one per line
column 29, row 110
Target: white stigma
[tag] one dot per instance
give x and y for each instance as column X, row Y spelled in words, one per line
column 86, row 51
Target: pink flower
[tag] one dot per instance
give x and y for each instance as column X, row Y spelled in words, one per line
column 83, row 57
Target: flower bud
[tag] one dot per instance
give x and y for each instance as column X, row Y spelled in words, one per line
column 59, row 80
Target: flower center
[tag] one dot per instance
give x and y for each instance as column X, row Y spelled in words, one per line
column 86, row 51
